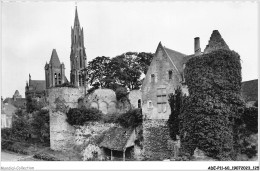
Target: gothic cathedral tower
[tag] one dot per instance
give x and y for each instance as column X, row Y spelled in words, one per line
column 54, row 71
column 78, row 56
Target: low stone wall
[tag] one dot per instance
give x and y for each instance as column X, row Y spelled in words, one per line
column 156, row 136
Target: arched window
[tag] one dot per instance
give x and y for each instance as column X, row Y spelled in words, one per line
column 139, row 103
column 55, row 79
column 59, row 76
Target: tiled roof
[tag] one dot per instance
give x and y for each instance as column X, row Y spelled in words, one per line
column 116, row 138
column 249, row 90
column 54, row 61
column 177, row 58
column 38, row 85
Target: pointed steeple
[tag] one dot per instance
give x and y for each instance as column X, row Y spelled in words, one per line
column 54, row 61
column 76, row 20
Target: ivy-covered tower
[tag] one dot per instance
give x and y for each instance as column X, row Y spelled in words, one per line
column 78, row 56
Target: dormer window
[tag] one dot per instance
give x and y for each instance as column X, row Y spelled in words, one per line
column 170, row 74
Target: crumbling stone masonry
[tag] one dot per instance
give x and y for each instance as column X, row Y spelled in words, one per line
column 60, row 100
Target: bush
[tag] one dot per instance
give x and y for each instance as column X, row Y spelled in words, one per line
column 45, row 156
column 110, row 118
column 6, row 144
column 132, row 118
column 6, row 133
column 121, row 92
column 77, row 116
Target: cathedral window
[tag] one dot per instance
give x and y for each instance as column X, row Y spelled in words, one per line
column 59, row 76
column 170, row 75
column 161, row 100
column 55, row 79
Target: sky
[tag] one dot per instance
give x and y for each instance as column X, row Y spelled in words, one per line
column 30, row 30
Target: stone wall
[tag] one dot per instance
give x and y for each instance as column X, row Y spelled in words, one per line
column 156, row 136
column 102, row 99
column 134, row 96
column 60, row 99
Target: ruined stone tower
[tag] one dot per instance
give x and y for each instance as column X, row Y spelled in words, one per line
column 78, row 56
column 54, row 71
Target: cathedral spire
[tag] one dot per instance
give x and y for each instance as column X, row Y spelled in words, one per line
column 78, row 58
column 76, row 20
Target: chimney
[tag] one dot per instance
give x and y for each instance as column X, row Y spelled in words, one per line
column 197, row 49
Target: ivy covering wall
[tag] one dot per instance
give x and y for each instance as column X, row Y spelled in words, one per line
column 156, row 136
column 207, row 122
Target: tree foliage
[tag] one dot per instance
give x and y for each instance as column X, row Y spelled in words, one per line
column 98, row 70
column 132, row 118
column 32, row 104
column 40, row 124
column 123, row 70
column 21, row 127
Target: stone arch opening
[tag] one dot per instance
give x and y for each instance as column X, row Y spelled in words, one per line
column 94, row 105
column 103, row 106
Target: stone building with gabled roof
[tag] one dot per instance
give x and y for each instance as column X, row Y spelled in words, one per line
column 165, row 74
column 119, row 141
column 16, row 100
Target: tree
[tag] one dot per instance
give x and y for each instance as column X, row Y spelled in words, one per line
column 40, row 124
column 21, row 125
column 98, row 70
column 125, row 71
column 144, row 60
column 32, row 104
column 176, row 104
